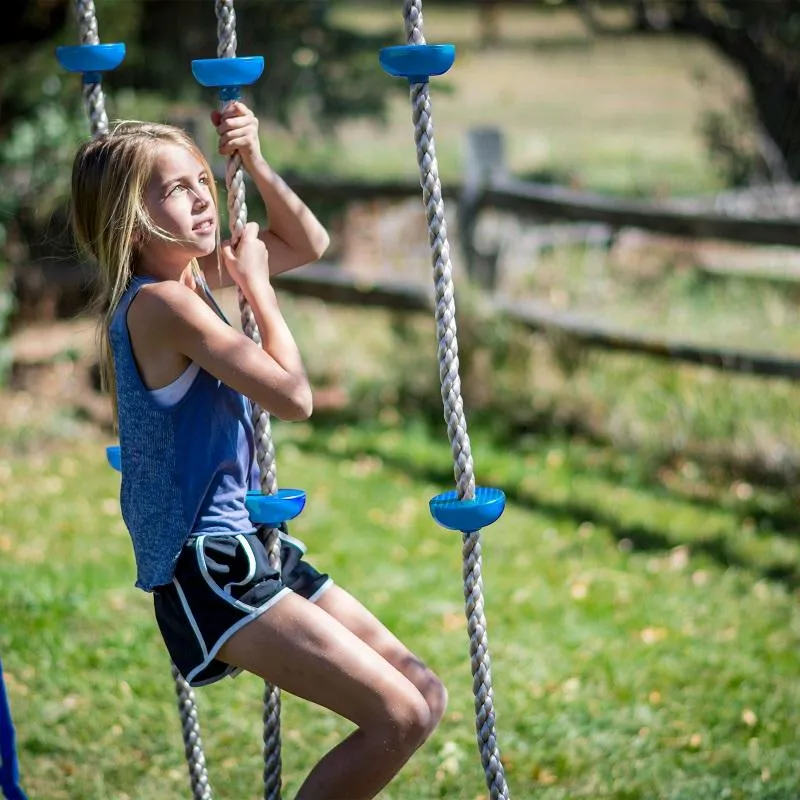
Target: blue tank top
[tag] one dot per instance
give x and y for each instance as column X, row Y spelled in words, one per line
column 185, row 469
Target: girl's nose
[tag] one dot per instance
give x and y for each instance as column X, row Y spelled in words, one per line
column 201, row 201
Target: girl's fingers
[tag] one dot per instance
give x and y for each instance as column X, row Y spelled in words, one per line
column 236, row 111
column 232, row 147
column 234, row 123
column 236, row 141
column 246, row 135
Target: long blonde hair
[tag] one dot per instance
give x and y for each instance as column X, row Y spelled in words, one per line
column 109, row 217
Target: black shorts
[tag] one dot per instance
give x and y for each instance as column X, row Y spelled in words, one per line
column 222, row 582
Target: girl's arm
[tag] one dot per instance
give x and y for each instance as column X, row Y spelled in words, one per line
column 295, row 236
column 272, row 375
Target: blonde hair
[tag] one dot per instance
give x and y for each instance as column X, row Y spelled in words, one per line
column 109, row 217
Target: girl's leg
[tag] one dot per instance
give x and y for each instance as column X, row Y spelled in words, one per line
column 351, row 613
column 307, row 652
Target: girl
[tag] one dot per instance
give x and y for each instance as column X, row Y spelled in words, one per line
column 144, row 209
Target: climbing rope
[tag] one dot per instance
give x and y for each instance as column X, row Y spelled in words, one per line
column 192, row 745
column 265, row 450
column 454, row 412
column 93, row 97
column 94, row 101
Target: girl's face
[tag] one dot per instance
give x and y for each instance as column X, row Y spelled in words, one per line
column 179, row 201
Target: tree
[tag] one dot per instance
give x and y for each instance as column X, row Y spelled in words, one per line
column 762, row 39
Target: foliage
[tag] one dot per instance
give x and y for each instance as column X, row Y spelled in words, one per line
column 35, row 159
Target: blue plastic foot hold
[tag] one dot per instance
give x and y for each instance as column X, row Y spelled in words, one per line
column 468, row 515
column 9, row 768
column 228, row 74
column 264, row 509
column 417, row 62
column 114, row 457
column 273, row 509
column 91, row 59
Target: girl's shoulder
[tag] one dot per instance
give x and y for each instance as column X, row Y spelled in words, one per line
column 162, row 295
column 162, row 306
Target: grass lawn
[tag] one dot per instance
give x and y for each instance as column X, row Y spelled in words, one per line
column 644, row 641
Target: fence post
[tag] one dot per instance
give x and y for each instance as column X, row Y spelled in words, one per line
column 484, row 163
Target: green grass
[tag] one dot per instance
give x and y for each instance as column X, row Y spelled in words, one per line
column 644, row 640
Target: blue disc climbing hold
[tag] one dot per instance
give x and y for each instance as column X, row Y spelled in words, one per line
column 417, row 62
column 468, row 515
column 91, row 59
column 219, row 72
column 114, row 457
column 273, row 509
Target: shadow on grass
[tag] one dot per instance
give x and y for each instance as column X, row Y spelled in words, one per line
column 637, row 536
column 722, row 468
column 781, row 517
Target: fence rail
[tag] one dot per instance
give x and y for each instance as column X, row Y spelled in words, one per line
column 330, row 284
column 557, row 202
column 542, row 201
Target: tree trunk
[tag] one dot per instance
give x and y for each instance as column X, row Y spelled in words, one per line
column 754, row 45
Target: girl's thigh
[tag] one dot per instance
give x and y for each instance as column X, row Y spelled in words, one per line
column 347, row 610
column 305, row 651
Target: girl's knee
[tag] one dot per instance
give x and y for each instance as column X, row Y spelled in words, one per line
column 409, row 722
column 436, row 698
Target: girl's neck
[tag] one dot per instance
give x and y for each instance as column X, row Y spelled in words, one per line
column 188, row 275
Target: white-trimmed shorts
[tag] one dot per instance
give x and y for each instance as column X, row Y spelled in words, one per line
column 222, row 582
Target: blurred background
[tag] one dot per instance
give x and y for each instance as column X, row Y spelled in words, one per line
column 620, row 179
column 602, row 128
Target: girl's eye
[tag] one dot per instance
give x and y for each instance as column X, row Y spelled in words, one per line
column 204, row 180
column 179, row 188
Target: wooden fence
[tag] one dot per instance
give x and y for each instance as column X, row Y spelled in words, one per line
column 488, row 185
column 332, row 285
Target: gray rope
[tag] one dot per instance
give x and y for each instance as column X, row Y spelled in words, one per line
column 265, row 450
column 192, row 744
column 93, row 97
column 454, row 413
column 94, row 100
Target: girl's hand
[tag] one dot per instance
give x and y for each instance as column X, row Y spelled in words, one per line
column 237, row 127
column 248, row 261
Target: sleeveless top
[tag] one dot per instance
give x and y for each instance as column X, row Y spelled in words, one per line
column 186, row 468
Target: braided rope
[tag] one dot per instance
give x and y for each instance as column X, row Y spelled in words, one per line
column 454, row 413
column 94, row 100
column 265, row 450
column 93, row 97
column 192, row 743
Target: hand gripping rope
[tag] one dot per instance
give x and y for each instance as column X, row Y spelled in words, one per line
column 468, row 508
